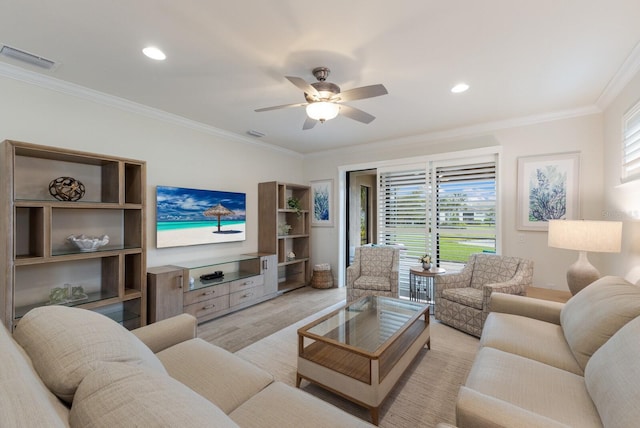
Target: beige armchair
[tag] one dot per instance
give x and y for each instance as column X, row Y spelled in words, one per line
column 374, row 271
column 462, row 299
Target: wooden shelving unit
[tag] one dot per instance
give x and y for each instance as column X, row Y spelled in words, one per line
column 274, row 212
column 34, row 227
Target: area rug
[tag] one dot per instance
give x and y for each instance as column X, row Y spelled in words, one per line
column 424, row 396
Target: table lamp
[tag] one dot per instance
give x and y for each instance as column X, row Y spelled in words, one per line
column 583, row 236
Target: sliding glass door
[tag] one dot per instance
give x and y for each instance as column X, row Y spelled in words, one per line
column 443, row 208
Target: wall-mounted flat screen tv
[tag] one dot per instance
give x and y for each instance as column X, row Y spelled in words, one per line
column 195, row 216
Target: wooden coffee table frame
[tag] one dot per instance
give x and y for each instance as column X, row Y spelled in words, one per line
column 363, row 377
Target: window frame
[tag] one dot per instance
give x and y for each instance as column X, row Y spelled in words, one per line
column 630, row 159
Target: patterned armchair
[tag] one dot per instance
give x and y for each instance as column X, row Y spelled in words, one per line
column 462, row 299
column 374, row 271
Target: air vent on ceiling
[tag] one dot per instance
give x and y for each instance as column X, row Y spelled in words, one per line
column 27, row 57
column 255, row 133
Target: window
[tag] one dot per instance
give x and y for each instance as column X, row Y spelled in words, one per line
column 465, row 222
column 447, row 209
column 631, row 144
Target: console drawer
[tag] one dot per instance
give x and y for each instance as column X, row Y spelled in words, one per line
column 208, row 307
column 247, row 295
column 202, row 294
column 242, row 284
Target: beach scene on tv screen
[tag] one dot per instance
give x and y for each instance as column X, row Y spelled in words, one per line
column 196, row 216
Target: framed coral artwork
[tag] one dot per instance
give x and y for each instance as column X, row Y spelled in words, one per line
column 322, row 203
column 548, row 189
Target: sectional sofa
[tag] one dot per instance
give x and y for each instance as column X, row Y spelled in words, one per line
column 73, row 367
column 547, row 364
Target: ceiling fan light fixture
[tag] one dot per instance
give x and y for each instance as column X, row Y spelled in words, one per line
column 322, row 110
column 154, row 53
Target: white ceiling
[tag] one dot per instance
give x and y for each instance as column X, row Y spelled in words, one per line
column 227, row 58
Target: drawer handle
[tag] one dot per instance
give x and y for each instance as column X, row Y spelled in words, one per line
column 247, row 295
column 209, row 307
column 207, row 293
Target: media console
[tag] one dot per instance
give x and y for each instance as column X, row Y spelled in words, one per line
column 210, row 288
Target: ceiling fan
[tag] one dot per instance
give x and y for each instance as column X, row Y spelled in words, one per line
column 324, row 99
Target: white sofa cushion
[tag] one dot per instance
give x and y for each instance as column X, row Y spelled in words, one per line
column 532, row 386
column 24, row 399
column 596, row 313
column 65, row 344
column 118, row 394
column 522, row 336
column 222, row 377
column 281, row 405
column 477, row 410
column 613, row 375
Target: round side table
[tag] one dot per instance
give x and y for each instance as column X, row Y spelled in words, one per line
column 421, row 281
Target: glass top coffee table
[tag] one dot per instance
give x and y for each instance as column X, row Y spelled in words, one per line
column 361, row 350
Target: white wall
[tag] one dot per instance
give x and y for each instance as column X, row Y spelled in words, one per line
column 622, row 201
column 583, row 134
column 188, row 157
column 175, row 155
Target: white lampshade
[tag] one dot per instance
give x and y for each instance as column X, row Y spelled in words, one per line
column 586, row 235
column 322, row 110
column 583, row 236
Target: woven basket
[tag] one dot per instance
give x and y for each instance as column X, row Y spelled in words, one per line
column 322, row 279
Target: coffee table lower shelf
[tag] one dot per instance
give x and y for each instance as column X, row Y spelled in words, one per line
column 358, row 376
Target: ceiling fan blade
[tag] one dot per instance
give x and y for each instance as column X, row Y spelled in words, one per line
column 302, row 84
column 362, row 92
column 356, row 114
column 309, row 123
column 282, row 106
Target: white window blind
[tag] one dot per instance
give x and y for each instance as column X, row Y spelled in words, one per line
column 402, row 218
column 465, row 220
column 631, row 144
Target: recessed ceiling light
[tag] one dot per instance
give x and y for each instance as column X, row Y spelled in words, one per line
column 154, row 53
column 460, row 87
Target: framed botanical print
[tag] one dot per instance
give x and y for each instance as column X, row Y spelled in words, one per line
column 322, row 203
column 548, row 189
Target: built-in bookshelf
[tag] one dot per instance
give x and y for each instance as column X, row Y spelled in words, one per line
column 40, row 266
column 284, row 229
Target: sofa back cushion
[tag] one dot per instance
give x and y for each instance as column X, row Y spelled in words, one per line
column 491, row 268
column 117, row 394
column 65, row 344
column 24, row 400
column 612, row 377
column 376, row 261
column 596, row 313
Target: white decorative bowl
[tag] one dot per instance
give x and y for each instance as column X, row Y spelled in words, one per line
column 88, row 243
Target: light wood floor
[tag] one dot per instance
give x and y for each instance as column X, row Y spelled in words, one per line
column 239, row 329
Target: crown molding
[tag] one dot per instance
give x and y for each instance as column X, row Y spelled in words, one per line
column 463, row 132
column 629, row 69
column 51, row 83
